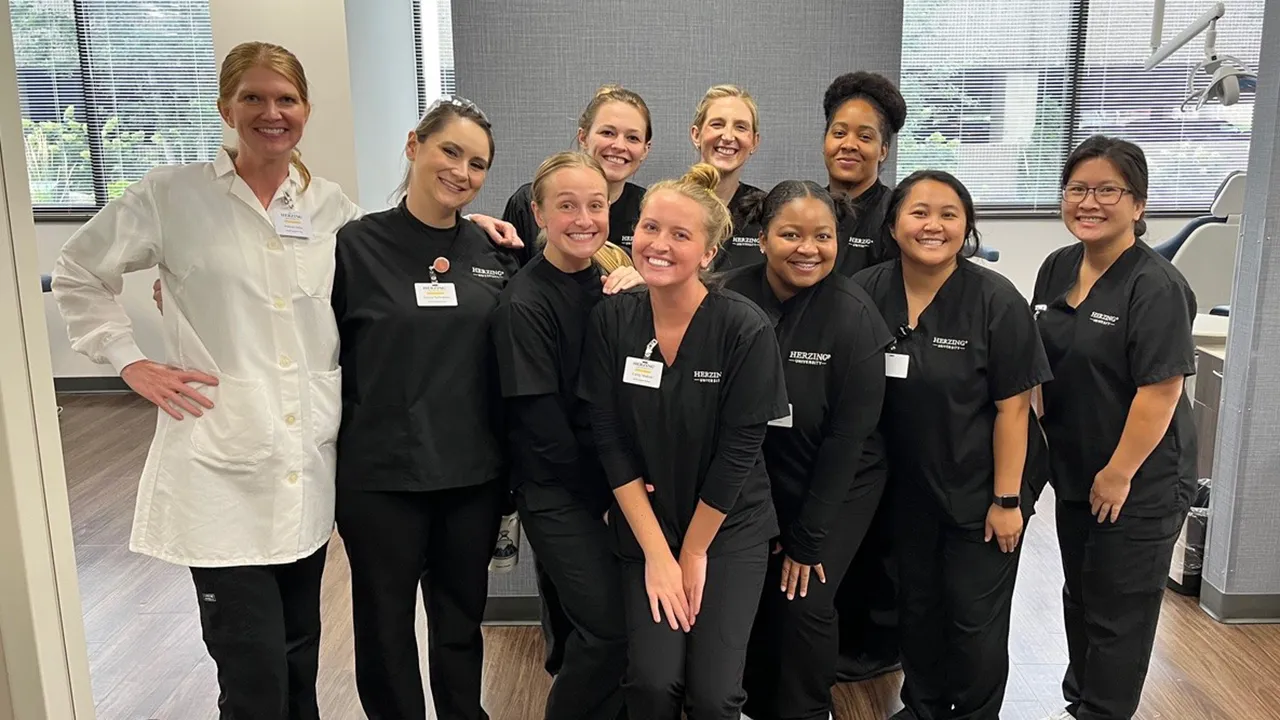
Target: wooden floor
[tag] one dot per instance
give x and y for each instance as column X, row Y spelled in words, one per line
column 147, row 659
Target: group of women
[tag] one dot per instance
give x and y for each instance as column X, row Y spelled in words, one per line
column 697, row 393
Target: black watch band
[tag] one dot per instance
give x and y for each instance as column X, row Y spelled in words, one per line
column 1007, row 502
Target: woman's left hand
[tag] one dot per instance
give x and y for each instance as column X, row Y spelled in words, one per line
column 795, row 576
column 501, row 232
column 694, row 569
column 621, row 279
column 1005, row 525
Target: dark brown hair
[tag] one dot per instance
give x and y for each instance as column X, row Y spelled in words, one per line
column 972, row 239
column 1128, row 159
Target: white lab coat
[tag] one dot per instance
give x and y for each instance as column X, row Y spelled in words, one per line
column 252, row 481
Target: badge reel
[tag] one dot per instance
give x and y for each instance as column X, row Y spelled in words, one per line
column 290, row 221
column 436, row 293
column 644, row 372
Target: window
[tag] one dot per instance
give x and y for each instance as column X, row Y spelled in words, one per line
column 999, row 94
column 433, row 41
column 110, row 89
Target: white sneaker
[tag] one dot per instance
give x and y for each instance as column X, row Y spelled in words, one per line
column 506, row 551
column 1061, row 715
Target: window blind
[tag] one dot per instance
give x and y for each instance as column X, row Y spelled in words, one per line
column 433, row 41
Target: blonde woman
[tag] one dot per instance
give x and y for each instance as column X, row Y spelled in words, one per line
column 726, row 133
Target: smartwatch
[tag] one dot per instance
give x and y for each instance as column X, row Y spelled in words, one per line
column 1007, row 502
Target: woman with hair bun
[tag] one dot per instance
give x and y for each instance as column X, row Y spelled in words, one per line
column 832, row 340
column 682, row 380
column 726, row 133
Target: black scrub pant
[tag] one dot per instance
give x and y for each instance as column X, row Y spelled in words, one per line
column 867, row 601
column 261, row 624
column 442, row 540
column 573, row 545
column 699, row 672
column 1115, row 580
column 556, row 626
column 956, row 595
column 795, row 644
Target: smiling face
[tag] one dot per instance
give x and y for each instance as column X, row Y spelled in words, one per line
column 800, row 245
column 854, row 145
column 448, row 167
column 1090, row 220
column 727, row 138
column 931, row 224
column 616, row 140
column 574, row 213
column 670, row 246
column 267, row 112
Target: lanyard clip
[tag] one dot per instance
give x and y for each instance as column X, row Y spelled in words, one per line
column 648, row 349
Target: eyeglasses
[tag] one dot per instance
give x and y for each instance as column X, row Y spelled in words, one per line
column 1105, row 195
column 461, row 102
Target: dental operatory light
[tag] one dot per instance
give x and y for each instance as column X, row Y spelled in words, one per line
column 1227, row 74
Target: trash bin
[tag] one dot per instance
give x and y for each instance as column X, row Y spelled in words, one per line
column 1185, row 570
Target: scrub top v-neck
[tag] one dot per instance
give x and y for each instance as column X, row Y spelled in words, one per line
column 727, row 373
column 421, row 408
column 742, row 249
column 974, row 345
column 1133, row 329
column 624, row 213
column 824, row 333
column 864, row 240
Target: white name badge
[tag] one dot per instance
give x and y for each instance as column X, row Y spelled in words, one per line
column 291, row 223
column 783, row 422
column 645, row 373
column 436, row 294
column 895, row 365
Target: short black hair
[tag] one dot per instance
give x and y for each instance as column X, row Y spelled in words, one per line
column 1128, row 159
column 876, row 89
column 972, row 239
column 761, row 207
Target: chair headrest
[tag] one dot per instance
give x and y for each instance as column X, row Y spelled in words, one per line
column 1230, row 198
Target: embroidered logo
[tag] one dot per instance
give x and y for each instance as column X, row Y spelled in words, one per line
column 1104, row 319
column 809, row 358
column 625, row 240
column 488, row 274
column 949, row 344
column 1035, row 311
column 706, row 376
column 859, row 242
column 744, row 242
column 208, row 597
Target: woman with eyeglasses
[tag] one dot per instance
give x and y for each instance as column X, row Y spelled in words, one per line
column 1116, row 322
column 966, row 457
column 421, row 469
column 726, row 133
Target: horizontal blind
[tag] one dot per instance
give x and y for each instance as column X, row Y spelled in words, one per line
column 433, row 41
column 987, row 91
column 110, row 89
column 1188, row 153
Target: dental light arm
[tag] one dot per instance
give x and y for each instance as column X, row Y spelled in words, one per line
column 1207, row 21
column 1226, row 73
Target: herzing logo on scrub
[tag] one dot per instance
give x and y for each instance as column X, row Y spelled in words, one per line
column 706, row 376
column 1104, row 319
column 488, row 274
column 859, row 242
column 744, row 242
column 950, row 344
column 809, row 358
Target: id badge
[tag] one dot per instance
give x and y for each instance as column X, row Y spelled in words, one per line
column 895, row 365
column 783, row 422
column 436, row 294
column 645, row 373
column 291, row 223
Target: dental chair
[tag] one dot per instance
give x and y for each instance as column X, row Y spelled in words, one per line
column 1205, row 250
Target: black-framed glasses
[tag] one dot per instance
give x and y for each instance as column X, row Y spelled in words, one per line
column 1105, row 195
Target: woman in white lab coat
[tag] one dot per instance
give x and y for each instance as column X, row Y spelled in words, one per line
column 239, row 481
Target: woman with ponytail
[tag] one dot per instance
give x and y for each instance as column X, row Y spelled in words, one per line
column 239, row 482
column 833, row 338
column 682, row 379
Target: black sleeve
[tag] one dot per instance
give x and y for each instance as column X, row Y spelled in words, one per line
column 856, row 413
column 526, row 349
column 755, row 393
column 620, row 466
column 1159, row 343
column 520, row 214
column 549, row 431
column 338, row 295
column 737, row 452
column 596, row 385
column 1016, row 361
column 1045, row 276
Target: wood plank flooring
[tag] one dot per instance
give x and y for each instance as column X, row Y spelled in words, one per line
column 147, row 659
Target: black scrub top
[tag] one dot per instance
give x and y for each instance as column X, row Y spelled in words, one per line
column 624, row 213
column 1133, row 329
column 420, row 402
column 538, row 331
column 727, row 375
column 975, row 344
column 865, row 240
column 743, row 246
column 826, row 333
